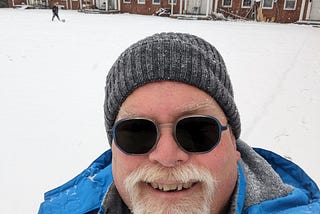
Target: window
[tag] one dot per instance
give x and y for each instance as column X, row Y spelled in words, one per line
column 155, row 1
column 290, row 4
column 174, row 2
column 267, row 4
column 246, row 3
column 226, row 3
column 126, row 1
column 141, row 1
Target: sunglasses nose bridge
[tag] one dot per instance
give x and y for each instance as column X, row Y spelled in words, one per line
column 164, row 126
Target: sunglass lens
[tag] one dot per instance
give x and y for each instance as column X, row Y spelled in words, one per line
column 197, row 134
column 136, row 136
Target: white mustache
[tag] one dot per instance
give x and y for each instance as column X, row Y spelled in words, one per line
column 183, row 174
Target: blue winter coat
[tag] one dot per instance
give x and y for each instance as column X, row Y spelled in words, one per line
column 85, row 192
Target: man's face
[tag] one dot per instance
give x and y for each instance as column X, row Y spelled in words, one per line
column 169, row 180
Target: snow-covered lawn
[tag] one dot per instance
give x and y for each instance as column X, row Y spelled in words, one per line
column 52, row 77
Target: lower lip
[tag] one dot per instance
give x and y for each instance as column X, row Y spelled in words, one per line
column 172, row 194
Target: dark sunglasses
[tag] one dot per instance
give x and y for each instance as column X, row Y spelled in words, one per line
column 193, row 134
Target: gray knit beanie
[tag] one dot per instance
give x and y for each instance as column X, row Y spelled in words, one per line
column 173, row 57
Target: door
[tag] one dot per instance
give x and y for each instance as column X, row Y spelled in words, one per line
column 197, row 7
column 315, row 10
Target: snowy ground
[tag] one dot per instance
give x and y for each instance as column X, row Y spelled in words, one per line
column 52, row 78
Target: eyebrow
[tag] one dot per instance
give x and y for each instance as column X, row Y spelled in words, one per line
column 193, row 108
column 123, row 112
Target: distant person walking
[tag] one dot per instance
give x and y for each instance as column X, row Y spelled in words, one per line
column 55, row 11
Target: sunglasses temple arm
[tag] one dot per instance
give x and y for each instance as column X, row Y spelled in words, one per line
column 224, row 127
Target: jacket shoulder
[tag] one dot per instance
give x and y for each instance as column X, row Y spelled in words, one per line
column 83, row 193
column 305, row 197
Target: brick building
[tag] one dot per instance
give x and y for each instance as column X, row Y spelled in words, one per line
column 283, row 11
column 64, row 4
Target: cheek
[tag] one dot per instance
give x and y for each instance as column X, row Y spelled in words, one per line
column 123, row 165
column 222, row 162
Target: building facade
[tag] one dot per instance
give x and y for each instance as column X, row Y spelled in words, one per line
column 282, row 11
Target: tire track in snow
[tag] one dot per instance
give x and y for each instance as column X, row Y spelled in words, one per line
column 276, row 91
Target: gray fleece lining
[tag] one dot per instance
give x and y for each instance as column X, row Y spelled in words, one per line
column 112, row 202
column 262, row 182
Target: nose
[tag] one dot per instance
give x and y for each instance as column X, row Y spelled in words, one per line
column 167, row 152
